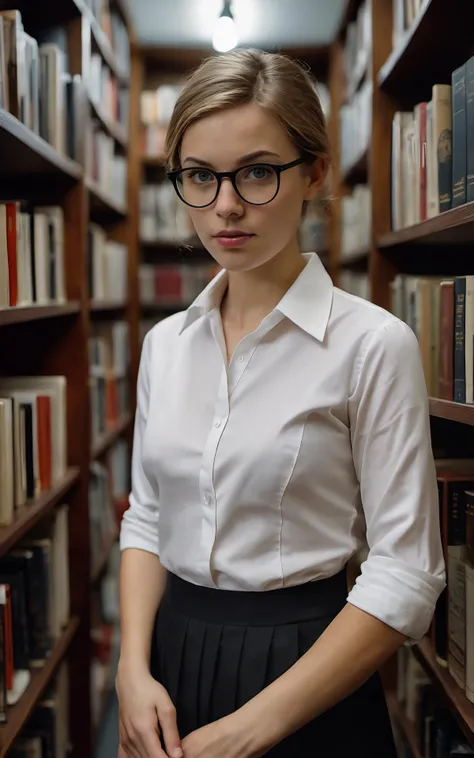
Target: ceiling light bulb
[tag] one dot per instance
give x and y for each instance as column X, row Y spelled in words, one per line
column 225, row 36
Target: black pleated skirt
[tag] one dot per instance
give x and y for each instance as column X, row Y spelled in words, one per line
column 215, row 649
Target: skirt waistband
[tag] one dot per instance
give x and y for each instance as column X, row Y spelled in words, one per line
column 288, row 605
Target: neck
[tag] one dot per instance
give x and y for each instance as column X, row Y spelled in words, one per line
column 251, row 295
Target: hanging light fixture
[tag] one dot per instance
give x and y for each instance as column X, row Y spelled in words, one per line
column 225, row 36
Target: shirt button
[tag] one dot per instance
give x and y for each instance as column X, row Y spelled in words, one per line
column 242, row 358
column 217, row 424
column 207, row 499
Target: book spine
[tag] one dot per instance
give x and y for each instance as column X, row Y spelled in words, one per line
column 459, row 337
column 422, row 156
column 11, row 209
column 470, row 129
column 459, row 136
column 446, row 334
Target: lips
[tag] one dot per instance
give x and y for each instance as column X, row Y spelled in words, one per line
column 232, row 237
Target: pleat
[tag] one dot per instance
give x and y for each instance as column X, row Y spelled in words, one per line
column 254, row 662
column 224, row 695
column 173, row 648
column 284, row 651
column 208, row 671
column 188, row 694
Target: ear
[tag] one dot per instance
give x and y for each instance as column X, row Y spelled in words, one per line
column 317, row 174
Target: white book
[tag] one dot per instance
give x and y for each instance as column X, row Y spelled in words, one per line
column 7, row 492
column 41, row 258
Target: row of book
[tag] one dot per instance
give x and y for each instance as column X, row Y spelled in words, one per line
column 33, row 441
column 433, row 152
column 436, row 732
column 356, row 224
column 103, row 165
column 46, row 732
column 31, row 255
column 34, row 603
column 162, row 215
column 355, row 126
column 156, row 107
column 440, row 311
column 114, row 28
column 108, row 490
column 109, row 381
column 108, row 261
column 357, row 48
column 106, row 93
column 36, row 87
column 173, row 285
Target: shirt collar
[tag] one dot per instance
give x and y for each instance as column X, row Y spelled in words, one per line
column 307, row 303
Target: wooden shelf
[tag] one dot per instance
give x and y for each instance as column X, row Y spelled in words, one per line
column 406, row 726
column 460, row 412
column 21, row 314
column 111, row 436
column 113, row 128
column 34, row 510
column 451, row 227
column 453, row 695
column 357, row 172
column 154, row 161
column 413, row 68
column 25, row 152
column 98, row 306
column 103, row 206
column 165, row 307
column 40, row 678
column 359, row 259
column 102, row 564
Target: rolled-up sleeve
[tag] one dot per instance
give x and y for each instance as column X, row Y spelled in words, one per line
column 404, row 573
column 139, row 527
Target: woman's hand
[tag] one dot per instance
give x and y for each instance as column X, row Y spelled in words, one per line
column 145, row 708
column 229, row 737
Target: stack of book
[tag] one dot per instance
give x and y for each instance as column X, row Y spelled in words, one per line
column 405, row 13
column 108, row 262
column 156, row 108
column 112, row 25
column 106, row 93
column 34, row 604
column 36, row 87
column 173, row 285
column 106, row 168
column 109, row 360
column 31, row 255
column 163, row 217
column 357, row 50
column 33, row 442
column 433, row 152
column 356, row 127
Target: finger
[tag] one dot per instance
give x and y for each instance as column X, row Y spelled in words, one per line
column 170, row 732
column 121, row 752
column 150, row 743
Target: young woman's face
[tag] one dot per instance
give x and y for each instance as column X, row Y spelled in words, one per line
column 233, row 139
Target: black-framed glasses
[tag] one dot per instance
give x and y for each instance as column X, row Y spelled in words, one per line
column 257, row 184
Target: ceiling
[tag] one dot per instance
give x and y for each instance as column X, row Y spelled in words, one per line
column 261, row 23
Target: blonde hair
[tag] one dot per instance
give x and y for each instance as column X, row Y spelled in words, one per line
column 274, row 81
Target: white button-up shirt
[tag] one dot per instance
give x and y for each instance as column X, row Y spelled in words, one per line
column 277, row 468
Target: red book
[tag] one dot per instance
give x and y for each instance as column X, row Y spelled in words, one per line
column 446, row 341
column 43, row 410
column 11, row 209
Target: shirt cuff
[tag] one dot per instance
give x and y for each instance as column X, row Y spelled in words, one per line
column 402, row 596
column 132, row 536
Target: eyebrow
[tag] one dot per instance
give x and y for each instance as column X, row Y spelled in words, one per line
column 243, row 159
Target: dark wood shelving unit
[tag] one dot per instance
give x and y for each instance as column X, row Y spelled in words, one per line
column 21, row 314
column 34, row 510
column 459, row 412
column 113, row 128
column 449, row 228
column 453, row 695
column 40, row 678
column 153, row 161
column 25, row 152
column 357, row 172
column 104, row 207
column 406, row 727
column 111, row 436
column 98, row 307
column 410, row 71
column 102, row 44
column 359, row 259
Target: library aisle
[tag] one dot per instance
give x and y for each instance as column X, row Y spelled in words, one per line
column 95, row 249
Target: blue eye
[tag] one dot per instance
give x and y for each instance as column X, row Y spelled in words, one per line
column 259, row 173
column 199, row 176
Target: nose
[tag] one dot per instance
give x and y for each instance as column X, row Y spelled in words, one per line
column 228, row 202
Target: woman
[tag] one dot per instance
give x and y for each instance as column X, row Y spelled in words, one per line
column 281, row 424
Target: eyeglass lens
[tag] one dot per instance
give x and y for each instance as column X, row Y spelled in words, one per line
column 256, row 184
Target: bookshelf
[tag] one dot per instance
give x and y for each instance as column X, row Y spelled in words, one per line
column 53, row 338
column 405, row 64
